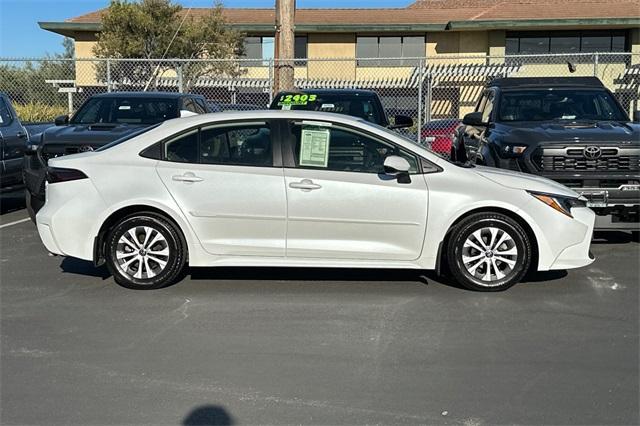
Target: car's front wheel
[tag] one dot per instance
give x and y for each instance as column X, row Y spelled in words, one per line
column 489, row 252
column 145, row 251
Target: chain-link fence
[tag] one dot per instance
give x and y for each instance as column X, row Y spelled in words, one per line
column 435, row 91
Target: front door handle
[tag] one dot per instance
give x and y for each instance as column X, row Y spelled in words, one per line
column 305, row 184
column 187, row 177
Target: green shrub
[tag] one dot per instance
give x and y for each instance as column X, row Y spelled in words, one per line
column 34, row 112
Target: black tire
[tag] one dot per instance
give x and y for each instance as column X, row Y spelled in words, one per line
column 154, row 274
column 460, row 244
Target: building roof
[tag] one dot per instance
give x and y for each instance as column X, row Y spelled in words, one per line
column 423, row 15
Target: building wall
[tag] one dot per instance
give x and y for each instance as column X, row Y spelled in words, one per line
column 331, row 46
column 451, row 96
column 85, row 70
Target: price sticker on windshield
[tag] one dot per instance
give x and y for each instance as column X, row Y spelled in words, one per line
column 296, row 99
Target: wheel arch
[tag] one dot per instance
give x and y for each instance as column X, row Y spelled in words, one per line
column 115, row 216
column 441, row 263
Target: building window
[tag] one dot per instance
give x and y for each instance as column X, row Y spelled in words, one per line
column 566, row 42
column 375, row 49
column 263, row 49
column 300, row 50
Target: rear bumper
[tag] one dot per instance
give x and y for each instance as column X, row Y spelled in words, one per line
column 47, row 239
column 66, row 221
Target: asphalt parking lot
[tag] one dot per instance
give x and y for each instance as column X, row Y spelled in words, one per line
column 273, row 346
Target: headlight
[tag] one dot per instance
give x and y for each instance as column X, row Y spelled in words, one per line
column 560, row 203
column 513, row 150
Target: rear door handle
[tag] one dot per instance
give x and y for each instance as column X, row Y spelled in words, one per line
column 187, row 177
column 305, row 184
column 21, row 135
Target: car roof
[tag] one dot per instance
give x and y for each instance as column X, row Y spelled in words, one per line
column 545, row 82
column 154, row 95
column 332, row 92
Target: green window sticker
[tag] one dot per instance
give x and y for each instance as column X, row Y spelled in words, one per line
column 314, row 147
column 296, row 99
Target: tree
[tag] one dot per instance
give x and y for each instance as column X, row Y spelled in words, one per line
column 159, row 31
column 25, row 81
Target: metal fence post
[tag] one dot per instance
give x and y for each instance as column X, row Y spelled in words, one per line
column 180, row 81
column 108, row 75
column 595, row 65
column 271, row 72
column 420, row 66
column 428, row 97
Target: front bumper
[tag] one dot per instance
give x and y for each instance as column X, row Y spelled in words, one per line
column 578, row 255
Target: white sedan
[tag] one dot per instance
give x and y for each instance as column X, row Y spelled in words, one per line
column 303, row 189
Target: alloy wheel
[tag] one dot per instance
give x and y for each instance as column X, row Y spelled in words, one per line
column 489, row 254
column 142, row 252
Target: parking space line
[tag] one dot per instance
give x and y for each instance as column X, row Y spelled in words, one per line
column 15, row 222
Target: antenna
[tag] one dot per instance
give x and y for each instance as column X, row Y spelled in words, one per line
column 167, row 49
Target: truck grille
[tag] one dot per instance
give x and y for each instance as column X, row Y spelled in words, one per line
column 558, row 159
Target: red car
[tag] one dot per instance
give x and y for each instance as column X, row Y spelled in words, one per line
column 439, row 135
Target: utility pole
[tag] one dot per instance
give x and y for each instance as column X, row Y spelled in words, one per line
column 285, row 42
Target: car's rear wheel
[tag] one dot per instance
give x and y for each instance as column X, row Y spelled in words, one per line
column 145, row 251
column 488, row 252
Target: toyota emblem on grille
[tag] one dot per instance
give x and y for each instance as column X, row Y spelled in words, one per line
column 592, row 152
column 87, row 148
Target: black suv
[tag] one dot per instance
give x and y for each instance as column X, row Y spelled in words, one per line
column 569, row 129
column 101, row 119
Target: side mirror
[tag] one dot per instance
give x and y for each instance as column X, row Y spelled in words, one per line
column 636, row 116
column 185, row 113
column 401, row 121
column 399, row 167
column 474, row 119
column 61, row 120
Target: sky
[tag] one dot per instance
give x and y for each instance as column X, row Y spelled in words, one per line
column 20, row 35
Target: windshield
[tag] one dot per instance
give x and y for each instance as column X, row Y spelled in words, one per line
column 128, row 110
column 559, row 104
column 361, row 106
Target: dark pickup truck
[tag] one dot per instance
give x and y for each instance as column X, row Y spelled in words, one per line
column 13, row 141
column 101, row 119
column 569, row 129
column 364, row 104
column 14, row 138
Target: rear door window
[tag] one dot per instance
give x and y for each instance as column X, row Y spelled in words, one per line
column 241, row 144
column 183, row 149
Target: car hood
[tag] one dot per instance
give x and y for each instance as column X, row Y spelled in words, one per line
column 89, row 134
column 517, row 180
column 601, row 132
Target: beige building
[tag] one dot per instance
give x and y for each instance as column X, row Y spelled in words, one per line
column 446, row 32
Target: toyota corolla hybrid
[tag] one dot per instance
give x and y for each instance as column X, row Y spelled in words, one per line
column 304, row 189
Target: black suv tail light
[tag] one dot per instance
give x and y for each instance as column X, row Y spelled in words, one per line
column 58, row 174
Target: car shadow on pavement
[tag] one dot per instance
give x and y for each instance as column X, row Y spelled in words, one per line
column 208, row 415
column 72, row 265
column 310, row 274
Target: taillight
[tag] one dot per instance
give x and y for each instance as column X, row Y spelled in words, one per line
column 57, row 174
